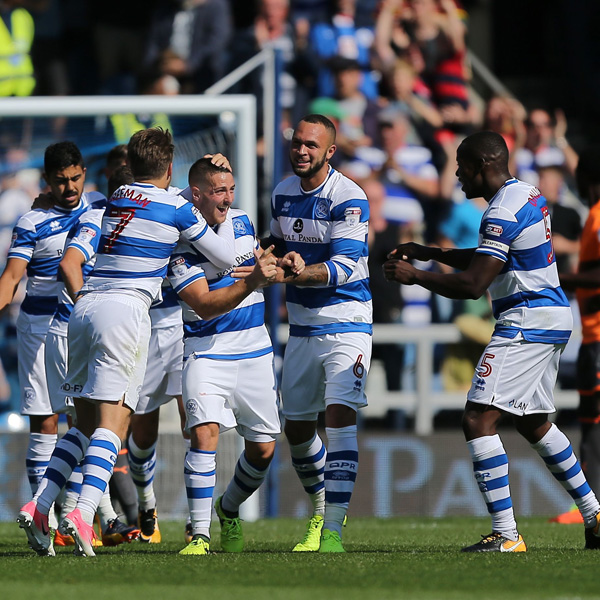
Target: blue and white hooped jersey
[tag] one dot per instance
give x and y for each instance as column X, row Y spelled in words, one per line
column 85, row 236
column 240, row 333
column 526, row 295
column 328, row 225
column 39, row 238
column 140, row 229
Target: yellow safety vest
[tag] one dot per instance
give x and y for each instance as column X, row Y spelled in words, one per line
column 16, row 68
column 125, row 125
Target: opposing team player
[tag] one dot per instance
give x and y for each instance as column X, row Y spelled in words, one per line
column 228, row 379
column 517, row 371
column 323, row 216
column 109, row 328
column 36, row 249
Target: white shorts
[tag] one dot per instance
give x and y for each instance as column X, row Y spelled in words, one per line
column 32, row 372
column 323, row 370
column 108, row 347
column 57, row 352
column 162, row 381
column 517, row 376
column 234, row 393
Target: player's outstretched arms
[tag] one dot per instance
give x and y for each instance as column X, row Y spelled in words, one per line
column 210, row 304
column 70, row 271
column 453, row 257
column 468, row 284
column 9, row 281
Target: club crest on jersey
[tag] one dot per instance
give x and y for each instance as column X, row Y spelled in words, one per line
column 322, row 209
column 352, row 216
column 493, row 229
column 239, row 227
column 298, row 225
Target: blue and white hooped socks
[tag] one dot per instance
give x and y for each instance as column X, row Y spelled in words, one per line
column 341, row 469
column 490, row 467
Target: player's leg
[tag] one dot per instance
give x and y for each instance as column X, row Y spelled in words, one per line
column 254, row 404
column 554, row 447
column 206, row 386
column 35, row 403
column 250, row 472
column 588, row 384
column 200, row 476
column 68, row 453
column 112, row 334
column 142, row 464
column 187, row 535
column 302, row 385
column 122, row 489
column 490, row 467
column 346, row 362
column 508, row 379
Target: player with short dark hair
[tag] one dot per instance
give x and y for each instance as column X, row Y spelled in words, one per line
column 323, row 216
column 517, row 372
column 37, row 245
column 229, row 375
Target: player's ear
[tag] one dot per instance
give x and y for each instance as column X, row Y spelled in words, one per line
column 331, row 151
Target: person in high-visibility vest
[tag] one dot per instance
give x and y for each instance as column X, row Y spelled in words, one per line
column 16, row 37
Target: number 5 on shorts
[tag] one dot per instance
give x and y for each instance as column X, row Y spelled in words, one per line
column 485, row 368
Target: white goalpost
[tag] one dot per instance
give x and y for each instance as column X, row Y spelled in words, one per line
column 238, row 112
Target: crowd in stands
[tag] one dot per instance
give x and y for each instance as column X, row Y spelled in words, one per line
column 393, row 75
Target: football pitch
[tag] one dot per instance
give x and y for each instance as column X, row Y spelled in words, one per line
column 386, row 558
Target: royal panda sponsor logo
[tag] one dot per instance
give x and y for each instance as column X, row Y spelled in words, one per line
column 298, row 225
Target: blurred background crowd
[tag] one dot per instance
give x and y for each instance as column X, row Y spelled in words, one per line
column 396, row 76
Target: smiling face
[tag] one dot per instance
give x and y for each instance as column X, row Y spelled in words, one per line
column 66, row 185
column 312, row 147
column 214, row 198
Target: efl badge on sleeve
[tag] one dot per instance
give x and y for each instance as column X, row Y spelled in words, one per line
column 352, row 216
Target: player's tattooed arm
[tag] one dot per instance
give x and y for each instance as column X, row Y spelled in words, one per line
column 312, row 275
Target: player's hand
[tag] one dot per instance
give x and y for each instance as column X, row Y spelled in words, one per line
column 43, row 201
column 400, row 271
column 293, row 262
column 409, row 251
column 219, row 160
column 264, row 271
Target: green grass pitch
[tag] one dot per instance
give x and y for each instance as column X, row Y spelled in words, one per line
column 386, row 558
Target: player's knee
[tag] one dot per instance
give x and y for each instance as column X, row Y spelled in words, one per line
column 260, row 454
